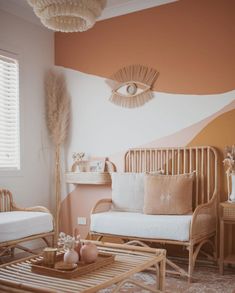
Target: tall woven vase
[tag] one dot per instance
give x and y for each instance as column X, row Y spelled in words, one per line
column 57, row 114
column 232, row 195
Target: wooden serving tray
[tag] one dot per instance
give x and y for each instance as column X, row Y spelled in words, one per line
column 103, row 259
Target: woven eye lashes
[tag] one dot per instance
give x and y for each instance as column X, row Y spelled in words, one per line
column 131, row 85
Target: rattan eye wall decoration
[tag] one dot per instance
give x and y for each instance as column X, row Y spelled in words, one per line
column 131, row 85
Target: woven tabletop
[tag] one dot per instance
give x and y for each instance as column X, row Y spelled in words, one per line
column 128, row 260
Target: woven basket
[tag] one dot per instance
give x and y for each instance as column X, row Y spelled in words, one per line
column 229, row 212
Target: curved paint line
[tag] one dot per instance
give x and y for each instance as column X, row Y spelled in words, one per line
column 184, row 136
column 164, row 115
column 180, row 138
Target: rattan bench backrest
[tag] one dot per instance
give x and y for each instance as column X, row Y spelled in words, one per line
column 203, row 160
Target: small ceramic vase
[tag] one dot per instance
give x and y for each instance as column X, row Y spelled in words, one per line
column 232, row 195
column 71, row 256
column 89, row 252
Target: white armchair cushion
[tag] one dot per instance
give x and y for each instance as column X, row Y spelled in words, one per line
column 128, row 192
column 19, row 224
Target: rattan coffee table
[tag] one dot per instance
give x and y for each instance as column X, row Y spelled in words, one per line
column 17, row 276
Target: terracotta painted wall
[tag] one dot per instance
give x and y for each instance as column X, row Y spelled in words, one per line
column 191, row 43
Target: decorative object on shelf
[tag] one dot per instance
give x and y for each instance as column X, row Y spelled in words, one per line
column 99, row 174
column 78, row 156
column 109, row 167
column 92, row 165
column 68, row 15
column 80, row 163
column 89, row 252
column 229, row 162
column 97, row 164
column 57, row 116
column 131, row 85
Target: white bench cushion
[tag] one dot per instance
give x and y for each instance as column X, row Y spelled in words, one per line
column 170, row 227
column 18, row 224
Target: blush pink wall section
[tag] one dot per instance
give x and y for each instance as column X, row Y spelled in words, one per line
column 79, row 204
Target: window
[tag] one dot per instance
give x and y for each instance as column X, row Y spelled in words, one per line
column 9, row 113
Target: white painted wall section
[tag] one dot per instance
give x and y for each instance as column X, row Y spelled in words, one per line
column 35, row 48
column 101, row 128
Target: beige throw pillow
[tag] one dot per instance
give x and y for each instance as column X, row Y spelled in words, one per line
column 168, row 194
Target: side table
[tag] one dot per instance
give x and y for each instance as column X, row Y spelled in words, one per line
column 227, row 216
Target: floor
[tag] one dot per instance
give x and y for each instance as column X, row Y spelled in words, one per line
column 206, row 280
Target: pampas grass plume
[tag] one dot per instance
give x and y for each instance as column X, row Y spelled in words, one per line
column 57, row 117
column 57, row 106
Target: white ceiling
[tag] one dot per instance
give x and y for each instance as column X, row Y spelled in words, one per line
column 113, row 8
column 121, row 7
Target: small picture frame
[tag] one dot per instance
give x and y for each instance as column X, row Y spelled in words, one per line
column 97, row 165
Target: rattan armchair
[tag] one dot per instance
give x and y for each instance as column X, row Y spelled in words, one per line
column 9, row 215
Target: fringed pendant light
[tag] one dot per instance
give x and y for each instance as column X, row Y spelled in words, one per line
column 68, row 15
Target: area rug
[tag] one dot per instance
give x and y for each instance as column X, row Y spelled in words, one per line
column 206, row 280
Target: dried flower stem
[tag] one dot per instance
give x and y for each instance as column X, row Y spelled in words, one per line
column 229, row 162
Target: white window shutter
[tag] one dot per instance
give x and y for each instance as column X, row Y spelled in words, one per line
column 9, row 114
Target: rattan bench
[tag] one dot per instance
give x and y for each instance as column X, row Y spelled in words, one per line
column 203, row 160
column 19, row 225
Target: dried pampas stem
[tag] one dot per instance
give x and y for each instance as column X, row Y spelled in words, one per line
column 57, row 115
column 135, row 76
